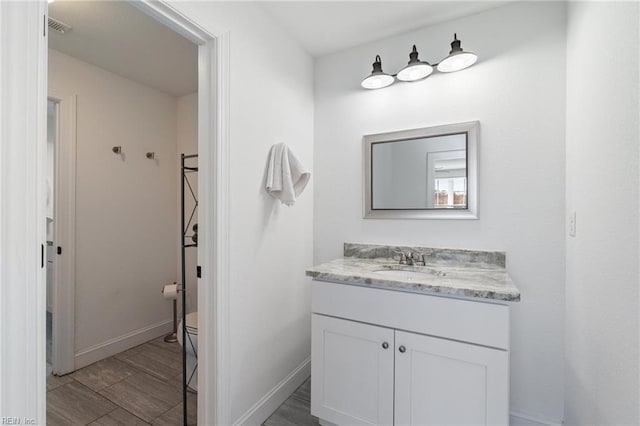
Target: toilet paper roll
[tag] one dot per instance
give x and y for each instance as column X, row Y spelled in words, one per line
column 170, row 291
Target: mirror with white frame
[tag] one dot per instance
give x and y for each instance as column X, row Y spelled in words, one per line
column 427, row 173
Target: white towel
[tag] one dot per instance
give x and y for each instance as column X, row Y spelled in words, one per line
column 286, row 176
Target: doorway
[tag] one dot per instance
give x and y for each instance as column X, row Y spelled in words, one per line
column 24, row 88
column 207, row 55
column 22, row 246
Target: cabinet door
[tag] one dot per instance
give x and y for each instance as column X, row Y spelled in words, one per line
column 443, row 382
column 352, row 372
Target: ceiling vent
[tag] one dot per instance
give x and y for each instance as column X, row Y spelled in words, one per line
column 58, row 26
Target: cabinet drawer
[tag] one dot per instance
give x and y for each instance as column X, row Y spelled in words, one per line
column 464, row 320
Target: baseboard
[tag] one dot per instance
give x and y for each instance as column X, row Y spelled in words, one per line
column 269, row 403
column 520, row 419
column 121, row 343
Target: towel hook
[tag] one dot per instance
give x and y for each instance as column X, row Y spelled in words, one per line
column 151, row 155
column 117, row 149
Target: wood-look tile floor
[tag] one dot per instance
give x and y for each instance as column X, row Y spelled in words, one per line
column 141, row 387
column 295, row 411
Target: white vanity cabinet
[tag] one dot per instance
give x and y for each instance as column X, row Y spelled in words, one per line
column 443, row 382
column 382, row 357
column 352, row 372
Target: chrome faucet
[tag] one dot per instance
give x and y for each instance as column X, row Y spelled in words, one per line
column 411, row 259
column 403, row 257
column 419, row 261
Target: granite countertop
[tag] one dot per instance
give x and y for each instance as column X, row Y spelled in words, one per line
column 453, row 272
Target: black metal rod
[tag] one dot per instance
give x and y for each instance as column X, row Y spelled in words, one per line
column 184, row 227
column 184, row 300
column 193, row 194
column 175, row 316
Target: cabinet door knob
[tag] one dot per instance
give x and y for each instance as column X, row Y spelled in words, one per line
column 402, row 349
column 385, row 345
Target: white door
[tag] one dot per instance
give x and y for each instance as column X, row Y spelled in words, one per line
column 443, row 382
column 352, row 372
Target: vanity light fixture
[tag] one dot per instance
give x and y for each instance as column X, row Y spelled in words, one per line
column 416, row 69
column 378, row 78
column 458, row 59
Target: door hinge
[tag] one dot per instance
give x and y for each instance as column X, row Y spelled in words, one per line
column 199, row 271
column 59, row 250
column 42, row 255
column 45, row 24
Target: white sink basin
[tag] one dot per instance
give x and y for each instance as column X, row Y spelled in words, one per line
column 404, row 274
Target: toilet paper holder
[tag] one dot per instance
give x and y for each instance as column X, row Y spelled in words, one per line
column 173, row 336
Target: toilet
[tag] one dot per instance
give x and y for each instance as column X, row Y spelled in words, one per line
column 192, row 349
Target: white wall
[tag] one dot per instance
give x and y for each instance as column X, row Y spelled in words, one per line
column 602, row 188
column 125, row 205
column 517, row 92
column 271, row 245
column 187, row 126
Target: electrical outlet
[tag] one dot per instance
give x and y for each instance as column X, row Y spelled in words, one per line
column 572, row 223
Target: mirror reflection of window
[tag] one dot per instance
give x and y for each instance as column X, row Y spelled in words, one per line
column 451, row 192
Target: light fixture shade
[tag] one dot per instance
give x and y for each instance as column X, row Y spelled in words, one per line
column 458, row 59
column 377, row 79
column 416, row 69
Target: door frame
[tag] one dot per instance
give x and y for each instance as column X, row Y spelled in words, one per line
column 214, row 78
column 23, row 113
column 63, row 309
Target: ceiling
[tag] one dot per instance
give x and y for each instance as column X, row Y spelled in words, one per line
column 119, row 38
column 324, row 27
